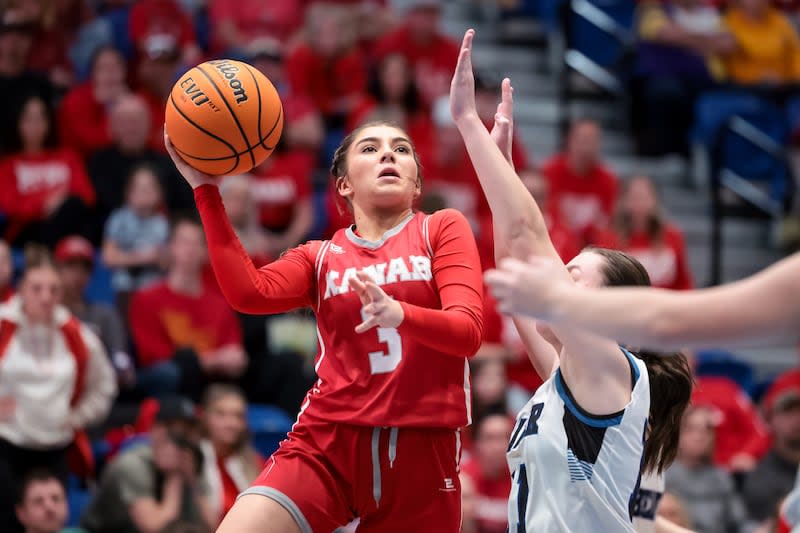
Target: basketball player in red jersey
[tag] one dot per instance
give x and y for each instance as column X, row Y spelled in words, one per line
column 397, row 297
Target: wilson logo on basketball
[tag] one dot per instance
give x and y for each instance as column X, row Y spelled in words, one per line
column 193, row 92
column 229, row 71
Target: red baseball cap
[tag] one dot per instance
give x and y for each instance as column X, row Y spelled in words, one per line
column 784, row 392
column 74, row 248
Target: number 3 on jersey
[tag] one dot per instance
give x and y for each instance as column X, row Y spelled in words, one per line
column 384, row 362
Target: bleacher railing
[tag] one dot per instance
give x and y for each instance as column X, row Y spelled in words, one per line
column 755, row 202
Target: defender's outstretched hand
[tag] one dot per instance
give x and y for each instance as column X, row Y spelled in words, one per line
column 503, row 129
column 193, row 177
column 529, row 288
column 462, row 99
column 462, row 86
column 377, row 307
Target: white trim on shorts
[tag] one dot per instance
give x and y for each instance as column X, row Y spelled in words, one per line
column 284, row 501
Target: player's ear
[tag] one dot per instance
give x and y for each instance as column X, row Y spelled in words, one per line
column 343, row 187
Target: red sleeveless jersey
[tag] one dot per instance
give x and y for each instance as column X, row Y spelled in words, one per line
column 416, row 375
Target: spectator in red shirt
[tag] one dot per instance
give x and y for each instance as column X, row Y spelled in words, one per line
column 582, row 189
column 17, row 81
column 240, row 206
column 774, row 476
column 742, row 437
column 165, row 19
column 281, row 190
column 326, row 67
column 156, row 74
column 6, row 272
column 392, row 96
column 83, row 113
column 431, row 54
column 230, row 463
column 184, row 332
column 303, row 127
column 447, row 170
column 237, row 23
column 489, row 386
column 644, row 232
column 488, row 471
column 49, row 55
column 46, row 192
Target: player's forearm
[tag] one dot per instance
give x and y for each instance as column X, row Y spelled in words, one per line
column 515, row 215
column 639, row 317
column 455, row 332
column 542, row 355
column 750, row 312
column 245, row 288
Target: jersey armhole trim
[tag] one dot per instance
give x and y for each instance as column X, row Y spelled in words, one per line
column 284, row 501
column 427, row 235
column 634, row 367
column 318, row 269
column 598, row 421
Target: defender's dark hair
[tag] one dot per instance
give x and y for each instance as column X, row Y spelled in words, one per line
column 670, row 375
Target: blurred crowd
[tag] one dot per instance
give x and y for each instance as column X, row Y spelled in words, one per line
column 112, row 326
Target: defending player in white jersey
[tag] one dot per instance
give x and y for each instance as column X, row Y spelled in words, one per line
column 603, row 416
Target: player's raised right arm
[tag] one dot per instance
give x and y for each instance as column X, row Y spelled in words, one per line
column 281, row 286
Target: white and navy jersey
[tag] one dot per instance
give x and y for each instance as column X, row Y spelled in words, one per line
column 645, row 504
column 574, row 472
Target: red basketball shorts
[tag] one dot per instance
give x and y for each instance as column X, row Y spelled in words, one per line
column 394, row 479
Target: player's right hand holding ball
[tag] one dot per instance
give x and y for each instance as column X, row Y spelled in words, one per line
column 193, row 177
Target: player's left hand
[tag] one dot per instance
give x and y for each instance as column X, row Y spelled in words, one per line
column 528, row 288
column 377, row 307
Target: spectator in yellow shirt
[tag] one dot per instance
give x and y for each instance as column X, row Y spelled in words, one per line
column 768, row 47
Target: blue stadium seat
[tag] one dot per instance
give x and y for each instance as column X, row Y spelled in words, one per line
column 78, row 499
column 269, row 426
column 713, row 110
column 99, row 289
column 725, row 364
column 598, row 43
column 118, row 19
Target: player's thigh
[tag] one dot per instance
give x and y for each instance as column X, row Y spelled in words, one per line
column 253, row 513
column 420, row 489
column 300, row 479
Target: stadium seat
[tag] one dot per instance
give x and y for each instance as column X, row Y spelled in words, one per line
column 737, row 154
column 78, row 498
column 99, row 289
column 726, row 364
column 269, row 426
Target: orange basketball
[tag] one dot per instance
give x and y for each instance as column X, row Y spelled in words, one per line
column 224, row 117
